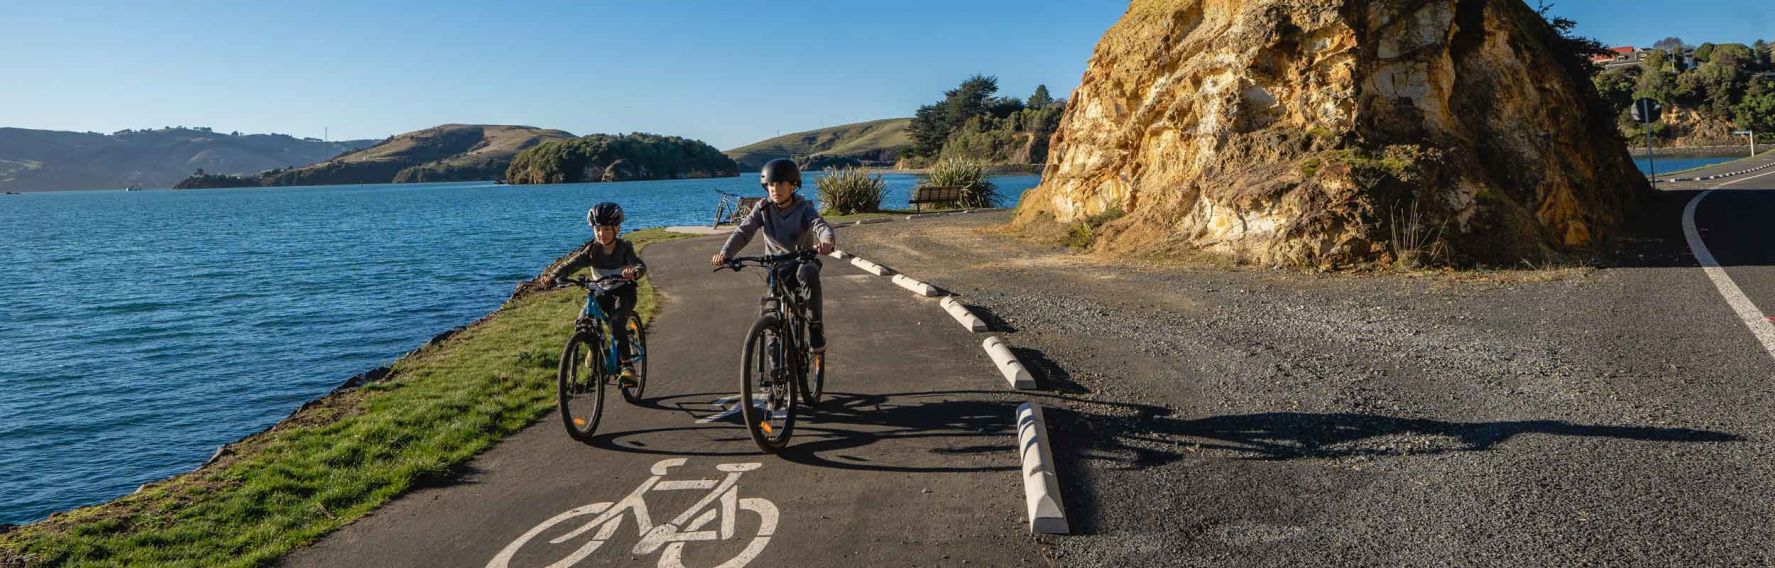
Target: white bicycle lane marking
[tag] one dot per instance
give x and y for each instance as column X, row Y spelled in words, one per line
column 1759, row 324
column 722, row 503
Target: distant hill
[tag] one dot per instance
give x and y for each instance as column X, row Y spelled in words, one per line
column 55, row 160
column 873, row 140
column 607, row 157
column 451, row 152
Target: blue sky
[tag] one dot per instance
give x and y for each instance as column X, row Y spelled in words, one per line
column 726, row 72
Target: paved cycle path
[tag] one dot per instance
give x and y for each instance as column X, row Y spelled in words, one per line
column 911, row 460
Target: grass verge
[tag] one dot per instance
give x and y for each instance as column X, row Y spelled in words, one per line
column 337, row 459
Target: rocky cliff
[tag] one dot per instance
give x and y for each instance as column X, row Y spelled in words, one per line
column 1337, row 133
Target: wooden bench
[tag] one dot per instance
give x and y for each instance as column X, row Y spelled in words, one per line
column 935, row 194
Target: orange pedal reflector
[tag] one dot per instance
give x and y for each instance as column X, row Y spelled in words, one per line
column 580, row 422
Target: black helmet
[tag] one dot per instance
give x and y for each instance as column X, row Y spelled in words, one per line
column 780, row 169
column 604, row 214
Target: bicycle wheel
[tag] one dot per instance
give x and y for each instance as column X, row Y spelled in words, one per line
column 813, row 382
column 767, row 392
column 580, row 380
column 638, row 353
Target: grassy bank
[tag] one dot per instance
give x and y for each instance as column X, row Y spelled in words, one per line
column 337, row 459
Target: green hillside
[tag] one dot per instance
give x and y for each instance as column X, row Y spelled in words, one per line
column 52, row 160
column 451, row 152
column 873, row 140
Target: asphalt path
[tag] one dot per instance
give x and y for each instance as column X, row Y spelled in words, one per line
column 911, row 461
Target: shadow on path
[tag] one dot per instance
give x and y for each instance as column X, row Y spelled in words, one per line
column 931, row 432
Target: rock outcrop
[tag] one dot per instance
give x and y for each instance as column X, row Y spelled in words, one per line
column 1326, row 133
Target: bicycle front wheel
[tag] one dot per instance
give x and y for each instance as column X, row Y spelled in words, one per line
column 580, row 386
column 638, row 354
column 767, row 391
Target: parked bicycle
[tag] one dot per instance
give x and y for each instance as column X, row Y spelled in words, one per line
column 591, row 360
column 777, row 365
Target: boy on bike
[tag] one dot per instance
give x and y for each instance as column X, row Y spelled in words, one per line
column 790, row 224
column 608, row 256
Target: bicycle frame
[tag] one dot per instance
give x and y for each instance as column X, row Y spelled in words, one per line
column 593, row 319
column 790, row 320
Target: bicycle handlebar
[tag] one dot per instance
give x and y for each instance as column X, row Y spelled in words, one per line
column 738, row 262
column 585, row 283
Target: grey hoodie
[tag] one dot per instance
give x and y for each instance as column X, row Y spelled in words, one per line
column 795, row 229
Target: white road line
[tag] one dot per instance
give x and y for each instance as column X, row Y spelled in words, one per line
column 1759, row 324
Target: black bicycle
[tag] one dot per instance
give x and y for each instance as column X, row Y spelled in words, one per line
column 591, row 360
column 777, row 365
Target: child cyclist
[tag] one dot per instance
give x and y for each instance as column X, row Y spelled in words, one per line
column 790, row 224
column 607, row 256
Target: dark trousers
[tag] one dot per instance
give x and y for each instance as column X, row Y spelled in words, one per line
column 805, row 274
column 618, row 303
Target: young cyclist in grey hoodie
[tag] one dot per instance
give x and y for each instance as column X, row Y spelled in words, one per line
column 790, row 224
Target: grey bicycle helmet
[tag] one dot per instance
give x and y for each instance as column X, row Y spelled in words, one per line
column 604, row 214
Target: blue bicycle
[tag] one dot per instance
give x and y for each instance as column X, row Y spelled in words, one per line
column 591, row 360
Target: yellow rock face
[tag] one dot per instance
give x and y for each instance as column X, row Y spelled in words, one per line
column 1336, row 132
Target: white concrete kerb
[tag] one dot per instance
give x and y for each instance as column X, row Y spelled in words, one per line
column 1041, row 486
column 870, row 267
column 1008, row 365
column 962, row 314
column 915, row 286
column 838, row 254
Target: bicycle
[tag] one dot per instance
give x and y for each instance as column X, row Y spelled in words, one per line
column 722, row 503
column 776, row 351
column 590, row 360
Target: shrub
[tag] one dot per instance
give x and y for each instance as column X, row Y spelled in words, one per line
column 970, row 175
column 848, row 191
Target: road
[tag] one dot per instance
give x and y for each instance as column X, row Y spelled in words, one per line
column 1212, row 416
column 912, row 461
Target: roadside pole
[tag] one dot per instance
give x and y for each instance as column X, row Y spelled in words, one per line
column 1753, row 140
column 1646, row 112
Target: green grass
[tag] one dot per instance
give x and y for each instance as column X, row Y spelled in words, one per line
column 337, row 460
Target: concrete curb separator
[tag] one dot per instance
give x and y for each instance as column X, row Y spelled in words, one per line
column 1041, row 487
column 915, row 286
column 840, row 255
column 871, row 221
column 870, row 267
column 961, row 314
column 1008, row 365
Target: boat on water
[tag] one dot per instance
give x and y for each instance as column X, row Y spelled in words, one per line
column 13, row 193
column 132, row 188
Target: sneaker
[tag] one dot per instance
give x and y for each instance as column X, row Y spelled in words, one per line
column 816, row 338
column 627, row 379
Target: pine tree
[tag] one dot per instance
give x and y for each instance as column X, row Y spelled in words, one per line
column 1041, row 98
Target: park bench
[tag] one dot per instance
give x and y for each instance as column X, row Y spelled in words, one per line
column 935, row 194
column 733, row 208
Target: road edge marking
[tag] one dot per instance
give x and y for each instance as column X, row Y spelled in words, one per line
column 1041, row 485
column 1760, row 326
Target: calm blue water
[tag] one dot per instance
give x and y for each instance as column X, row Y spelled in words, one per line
column 141, row 330
column 1679, row 163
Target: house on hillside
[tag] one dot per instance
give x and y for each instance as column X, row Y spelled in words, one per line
column 1619, row 57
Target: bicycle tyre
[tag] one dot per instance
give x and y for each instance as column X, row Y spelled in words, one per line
column 813, row 382
column 580, row 378
column 638, row 342
column 755, row 364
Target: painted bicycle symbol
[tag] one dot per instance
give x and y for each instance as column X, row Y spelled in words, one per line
column 718, row 511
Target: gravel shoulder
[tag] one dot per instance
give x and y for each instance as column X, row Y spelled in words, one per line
column 1207, row 416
